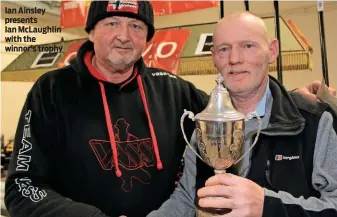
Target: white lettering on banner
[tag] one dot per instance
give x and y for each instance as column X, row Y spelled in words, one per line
column 159, row 51
column 147, row 49
column 28, row 190
column 162, row 45
column 204, row 44
column 24, row 160
column 163, row 74
column 69, row 57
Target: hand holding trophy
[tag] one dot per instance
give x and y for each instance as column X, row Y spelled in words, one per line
column 220, row 133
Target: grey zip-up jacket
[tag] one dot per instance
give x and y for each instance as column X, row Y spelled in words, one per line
column 277, row 202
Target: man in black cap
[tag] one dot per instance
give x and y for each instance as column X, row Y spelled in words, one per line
column 101, row 137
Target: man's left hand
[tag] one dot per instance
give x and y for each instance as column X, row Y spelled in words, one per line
column 244, row 197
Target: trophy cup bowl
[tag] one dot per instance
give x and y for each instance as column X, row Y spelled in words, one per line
column 219, row 143
column 219, row 136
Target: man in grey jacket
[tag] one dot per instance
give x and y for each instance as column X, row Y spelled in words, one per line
column 292, row 171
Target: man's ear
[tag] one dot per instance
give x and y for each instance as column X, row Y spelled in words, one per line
column 91, row 36
column 213, row 55
column 273, row 50
column 212, row 50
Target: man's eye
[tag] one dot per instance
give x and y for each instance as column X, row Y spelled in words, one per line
column 248, row 45
column 223, row 49
column 136, row 27
column 113, row 24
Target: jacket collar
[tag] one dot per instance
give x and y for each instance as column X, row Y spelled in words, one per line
column 285, row 118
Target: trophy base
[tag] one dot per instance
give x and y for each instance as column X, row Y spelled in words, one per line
column 211, row 212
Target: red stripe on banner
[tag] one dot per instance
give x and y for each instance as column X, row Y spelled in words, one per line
column 173, row 7
column 164, row 50
column 74, row 13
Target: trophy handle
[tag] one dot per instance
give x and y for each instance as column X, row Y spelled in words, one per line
column 250, row 116
column 190, row 116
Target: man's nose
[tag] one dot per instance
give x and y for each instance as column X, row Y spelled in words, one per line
column 123, row 33
column 235, row 56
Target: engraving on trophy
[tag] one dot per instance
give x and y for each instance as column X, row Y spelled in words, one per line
column 218, row 156
column 201, row 146
column 238, row 140
column 198, row 133
column 203, row 152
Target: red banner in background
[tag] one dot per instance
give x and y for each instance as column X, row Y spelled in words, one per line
column 74, row 13
column 173, row 7
column 164, row 50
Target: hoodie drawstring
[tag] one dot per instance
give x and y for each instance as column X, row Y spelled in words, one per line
column 153, row 135
column 111, row 132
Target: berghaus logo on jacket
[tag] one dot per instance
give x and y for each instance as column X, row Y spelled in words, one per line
column 280, row 157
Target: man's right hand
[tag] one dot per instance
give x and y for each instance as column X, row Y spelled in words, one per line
column 244, row 197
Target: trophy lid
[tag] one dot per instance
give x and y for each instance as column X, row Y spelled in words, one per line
column 220, row 107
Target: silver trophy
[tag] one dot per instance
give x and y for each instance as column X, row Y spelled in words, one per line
column 219, row 133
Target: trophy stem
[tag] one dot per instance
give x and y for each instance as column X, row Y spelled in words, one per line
column 219, row 171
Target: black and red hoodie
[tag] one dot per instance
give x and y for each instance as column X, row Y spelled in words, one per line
column 74, row 128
